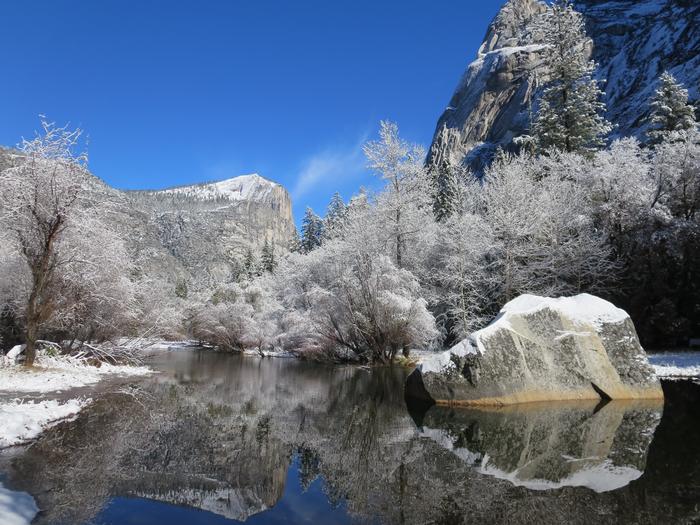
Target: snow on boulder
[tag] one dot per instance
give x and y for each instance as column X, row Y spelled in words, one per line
column 541, row 349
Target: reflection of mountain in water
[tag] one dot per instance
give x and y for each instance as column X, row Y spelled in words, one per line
column 549, row 446
column 218, row 432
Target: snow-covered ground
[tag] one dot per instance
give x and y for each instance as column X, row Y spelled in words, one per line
column 676, row 365
column 22, row 419
column 16, row 508
column 52, row 374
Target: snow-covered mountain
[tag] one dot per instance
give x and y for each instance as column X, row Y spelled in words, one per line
column 207, row 227
column 193, row 233
column 634, row 41
column 251, row 187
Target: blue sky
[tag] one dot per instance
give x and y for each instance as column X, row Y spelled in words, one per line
column 178, row 92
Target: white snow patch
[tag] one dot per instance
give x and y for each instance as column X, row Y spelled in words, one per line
column 676, row 371
column 16, row 508
column 23, row 421
column 584, row 310
column 442, row 361
column 51, row 374
column 14, row 352
column 244, row 187
column 584, row 307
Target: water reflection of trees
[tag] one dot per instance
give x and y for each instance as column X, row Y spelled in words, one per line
column 217, row 429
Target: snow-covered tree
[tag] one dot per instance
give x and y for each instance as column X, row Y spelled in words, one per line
column 570, row 114
column 250, row 264
column 445, row 185
column 72, row 271
column 237, row 317
column 39, row 195
column 294, row 245
column 670, row 110
column 405, row 200
column 461, row 272
column 335, row 217
column 544, row 239
column 267, row 257
column 311, row 231
column 356, row 303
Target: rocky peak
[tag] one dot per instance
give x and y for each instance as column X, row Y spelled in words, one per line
column 251, row 187
column 509, row 28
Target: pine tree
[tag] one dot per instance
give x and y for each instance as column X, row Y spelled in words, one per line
column 444, row 182
column 335, row 216
column 267, row 257
column 294, row 245
column 670, row 110
column 570, row 114
column 311, row 231
column 250, row 264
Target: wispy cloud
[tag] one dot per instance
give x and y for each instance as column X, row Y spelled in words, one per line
column 332, row 166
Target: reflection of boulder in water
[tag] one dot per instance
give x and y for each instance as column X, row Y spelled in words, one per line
column 548, row 446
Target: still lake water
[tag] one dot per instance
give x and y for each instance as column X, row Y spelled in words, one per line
column 221, row 439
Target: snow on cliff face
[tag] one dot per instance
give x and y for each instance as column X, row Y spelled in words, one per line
column 634, row 41
column 198, row 227
column 251, row 187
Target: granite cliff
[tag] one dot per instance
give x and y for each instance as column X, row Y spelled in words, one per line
column 633, row 42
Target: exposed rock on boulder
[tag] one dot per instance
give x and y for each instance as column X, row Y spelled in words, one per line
column 541, row 349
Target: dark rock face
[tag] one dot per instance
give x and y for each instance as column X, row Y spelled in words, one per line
column 541, row 349
column 634, row 41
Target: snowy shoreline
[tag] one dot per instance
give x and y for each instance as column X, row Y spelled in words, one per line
column 28, row 396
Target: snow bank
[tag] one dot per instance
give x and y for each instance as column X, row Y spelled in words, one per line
column 672, row 371
column 584, row 308
column 51, row 374
column 22, row 421
column 442, row 361
column 676, row 365
column 16, row 508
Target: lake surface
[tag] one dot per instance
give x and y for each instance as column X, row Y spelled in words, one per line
column 221, row 439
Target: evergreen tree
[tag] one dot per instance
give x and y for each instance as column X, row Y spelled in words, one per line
column 444, row 182
column 670, row 110
column 311, row 231
column 570, row 115
column 250, row 264
column 335, row 216
column 267, row 258
column 294, row 245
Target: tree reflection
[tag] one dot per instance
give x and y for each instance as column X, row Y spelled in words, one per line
column 218, row 433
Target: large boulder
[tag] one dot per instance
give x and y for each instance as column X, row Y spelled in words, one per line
column 541, row 349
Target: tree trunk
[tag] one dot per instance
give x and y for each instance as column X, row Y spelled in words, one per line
column 30, row 349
